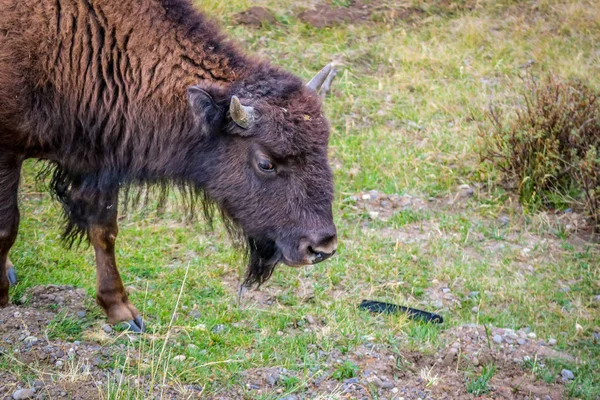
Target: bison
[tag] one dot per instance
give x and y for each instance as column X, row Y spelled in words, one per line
column 117, row 94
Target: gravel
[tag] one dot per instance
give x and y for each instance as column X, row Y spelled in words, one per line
column 107, row 328
column 497, row 339
column 551, row 342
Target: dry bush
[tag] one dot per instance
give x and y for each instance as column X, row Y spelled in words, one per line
column 548, row 145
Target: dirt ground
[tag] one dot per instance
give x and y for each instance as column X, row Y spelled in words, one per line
column 79, row 369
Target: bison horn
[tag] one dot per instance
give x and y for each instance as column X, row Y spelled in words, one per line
column 316, row 82
column 241, row 115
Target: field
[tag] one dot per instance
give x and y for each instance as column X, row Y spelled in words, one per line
column 422, row 223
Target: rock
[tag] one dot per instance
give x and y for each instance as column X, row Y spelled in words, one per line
column 179, row 358
column 377, row 382
column 504, row 220
column 475, row 309
column 531, row 335
column 596, row 298
column 351, row 381
column 596, row 336
column 272, row 379
column 81, row 314
column 497, row 339
column 194, row 314
column 30, row 340
column 255, row 16
column 520, row 342
column 310, row 319
column 466, row 191
column 23, row 394
column 449, row 357
column 387, row 385
column 567, row 375
column 473, row 294
column 551, row 342
column 107, row 328
column 218, row 328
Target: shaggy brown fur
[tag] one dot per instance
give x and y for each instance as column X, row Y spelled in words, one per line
column 114, row 93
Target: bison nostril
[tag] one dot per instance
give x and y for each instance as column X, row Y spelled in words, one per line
column 316, row 255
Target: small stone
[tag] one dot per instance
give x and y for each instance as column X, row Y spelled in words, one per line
column 194, row 314
column 475, row 361
column 377, row 382
column 475, row 309
column 387, row 385
column 596, row 336
column 497, row 339
column 23, row 394
column 532, row 335
column 520, row 342
column 310, row 319
column 473, row 294
column 179, row 358
column 504, row 220
column 551, row 342
column 351, row 381
column 366, row 197
column 218, row 328
column 107, row 328
column 466, row 191
column 81, row 314
column 373, row 214
column 596, row 298
column 567, row 375
column 30, row 340
column 446, row 290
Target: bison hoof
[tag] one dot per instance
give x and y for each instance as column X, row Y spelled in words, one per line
column 12, row 276
column 135, row 325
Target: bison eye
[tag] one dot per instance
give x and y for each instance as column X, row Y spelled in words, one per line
column 266, row 165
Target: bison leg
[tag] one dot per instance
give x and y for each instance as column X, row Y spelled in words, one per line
column 96, row 211
column 10, row 170
column 110, row 292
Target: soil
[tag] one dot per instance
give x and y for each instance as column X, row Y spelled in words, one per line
column 80, row 369
column 255, row 16
column 414, row 375
column 324, row 15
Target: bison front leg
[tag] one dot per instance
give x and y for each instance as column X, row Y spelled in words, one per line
column 96, row 213
column 110, row 292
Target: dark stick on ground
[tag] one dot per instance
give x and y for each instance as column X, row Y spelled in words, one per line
column 388, row 308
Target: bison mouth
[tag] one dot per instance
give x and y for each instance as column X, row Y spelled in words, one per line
column 263, row 258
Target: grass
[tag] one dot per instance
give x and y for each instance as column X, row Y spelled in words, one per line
column 479, row 384
column 404, row 111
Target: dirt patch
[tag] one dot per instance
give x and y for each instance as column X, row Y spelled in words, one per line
column 38, row 353
column 414, row 375
column 255, row 16
column 325, row 15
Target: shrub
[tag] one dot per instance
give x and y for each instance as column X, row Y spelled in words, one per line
column 548, row 147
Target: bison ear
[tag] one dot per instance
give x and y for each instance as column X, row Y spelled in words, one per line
column 207, row 114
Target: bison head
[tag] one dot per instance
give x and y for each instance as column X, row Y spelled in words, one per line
column 264, row 162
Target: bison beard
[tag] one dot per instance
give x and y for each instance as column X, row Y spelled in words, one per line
column 263, row 258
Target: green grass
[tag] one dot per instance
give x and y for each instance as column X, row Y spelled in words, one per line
column 345, row 370
column 405, row 112
column 479, row 384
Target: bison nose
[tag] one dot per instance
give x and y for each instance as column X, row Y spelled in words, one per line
column 320, row 249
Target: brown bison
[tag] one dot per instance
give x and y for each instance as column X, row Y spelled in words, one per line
column 148, row 92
